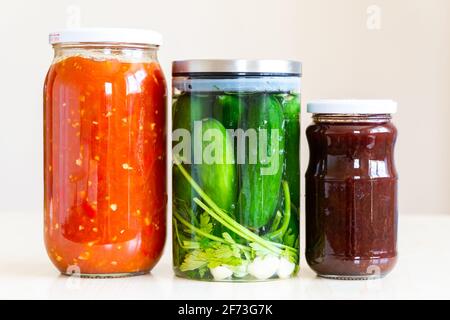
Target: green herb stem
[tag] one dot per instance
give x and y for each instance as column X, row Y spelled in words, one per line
column 237, row 228
column 177, row 235
column 204, row 234
column 226, row 220
column 197, row 230
column 287, row 214
column 276, row 222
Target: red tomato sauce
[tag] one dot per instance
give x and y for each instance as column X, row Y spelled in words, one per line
column 105, row 165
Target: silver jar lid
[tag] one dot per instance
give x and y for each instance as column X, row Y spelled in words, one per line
column 238, row 67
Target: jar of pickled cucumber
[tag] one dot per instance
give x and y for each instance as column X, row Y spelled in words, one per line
column 236, row 179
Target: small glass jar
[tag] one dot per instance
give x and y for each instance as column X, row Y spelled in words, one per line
column 104, row 152
column 236, row 169
column 351, row 189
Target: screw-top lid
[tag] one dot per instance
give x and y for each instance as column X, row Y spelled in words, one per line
column 217, row 67
column 352, row 106
column 106, row 35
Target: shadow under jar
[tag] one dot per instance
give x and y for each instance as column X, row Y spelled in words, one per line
column 104, row 153
column 351, row 189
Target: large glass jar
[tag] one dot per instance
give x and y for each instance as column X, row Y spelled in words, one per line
column 105, row 152
column 236, row 169
column 351, row 189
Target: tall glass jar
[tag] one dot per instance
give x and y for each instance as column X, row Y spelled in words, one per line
column 351, row 189
column 104, row 152
column 236, row 169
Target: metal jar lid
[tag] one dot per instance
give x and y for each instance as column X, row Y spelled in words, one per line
column 236, row 68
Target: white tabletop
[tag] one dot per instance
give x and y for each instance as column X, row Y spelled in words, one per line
column 422, row 271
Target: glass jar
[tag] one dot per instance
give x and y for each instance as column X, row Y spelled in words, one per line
column 351, row 189
column 236, row 169
column 105, row 152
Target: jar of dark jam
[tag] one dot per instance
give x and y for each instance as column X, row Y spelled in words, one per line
column 351, row 189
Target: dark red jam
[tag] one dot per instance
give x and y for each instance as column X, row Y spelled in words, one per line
column 351, row 196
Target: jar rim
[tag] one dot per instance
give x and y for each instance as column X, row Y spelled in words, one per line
column 106, row 35
column 352, row 106
column 352, row 118
column 103, row 45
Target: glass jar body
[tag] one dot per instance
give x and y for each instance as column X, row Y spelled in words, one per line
column 351, row 196
column 236, row 177
column 104, row 159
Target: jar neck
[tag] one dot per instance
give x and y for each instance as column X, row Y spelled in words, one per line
column 351, row 118
column 126, row 51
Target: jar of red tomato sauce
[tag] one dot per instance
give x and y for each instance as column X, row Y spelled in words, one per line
column 351, row 189
column 105, row 152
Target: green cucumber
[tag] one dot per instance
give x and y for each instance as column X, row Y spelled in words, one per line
column 187, row 108
column 260, row 188
column 228, row 109
column 216, row 175
column 291, row 110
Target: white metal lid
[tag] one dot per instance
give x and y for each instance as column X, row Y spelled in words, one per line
column 106, row 35
column 352, row 106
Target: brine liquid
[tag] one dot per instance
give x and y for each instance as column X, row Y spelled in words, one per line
column 259, row 240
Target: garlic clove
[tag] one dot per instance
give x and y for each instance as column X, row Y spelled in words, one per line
column 285, row 268
column 264, row 268
column 221, row 273
column 240, row 271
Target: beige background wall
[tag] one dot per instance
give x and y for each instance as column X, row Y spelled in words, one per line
column 406, row 58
